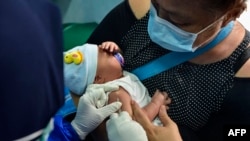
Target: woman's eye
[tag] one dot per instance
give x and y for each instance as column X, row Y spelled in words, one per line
column 175, row 21
column 179, row 23
column 182, row 24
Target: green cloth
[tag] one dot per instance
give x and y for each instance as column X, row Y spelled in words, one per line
column 75, row 34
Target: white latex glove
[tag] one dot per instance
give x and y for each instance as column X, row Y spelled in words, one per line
column 88, row 116
column 121, row 127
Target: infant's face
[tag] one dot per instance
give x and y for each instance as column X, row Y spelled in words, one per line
column 108, row 66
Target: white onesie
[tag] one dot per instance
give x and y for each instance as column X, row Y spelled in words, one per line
column 135, row 89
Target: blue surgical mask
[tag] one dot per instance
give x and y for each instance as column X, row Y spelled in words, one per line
column 169, row 36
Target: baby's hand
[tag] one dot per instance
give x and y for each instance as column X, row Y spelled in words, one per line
column 110, row 46
column 161, row 98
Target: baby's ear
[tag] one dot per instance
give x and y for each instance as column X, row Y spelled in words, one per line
column 99, row 79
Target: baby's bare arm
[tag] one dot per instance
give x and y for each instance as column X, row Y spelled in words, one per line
column 123, row 96
column 100, row 134
column 151, row 109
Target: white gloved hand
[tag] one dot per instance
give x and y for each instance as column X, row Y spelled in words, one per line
column 88, row 116
column 121, row 127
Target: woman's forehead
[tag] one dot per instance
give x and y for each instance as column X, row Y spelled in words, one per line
column 182, row 8
column 180, row 5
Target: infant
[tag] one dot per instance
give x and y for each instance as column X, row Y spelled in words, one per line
column 93, row 64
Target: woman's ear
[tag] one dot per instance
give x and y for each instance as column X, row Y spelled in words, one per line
column 99, row 79
column 235, row 12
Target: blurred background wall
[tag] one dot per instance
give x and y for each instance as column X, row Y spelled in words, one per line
column 245, row 17
column 83, row 11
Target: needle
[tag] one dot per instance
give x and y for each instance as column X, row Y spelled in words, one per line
column 119, row 111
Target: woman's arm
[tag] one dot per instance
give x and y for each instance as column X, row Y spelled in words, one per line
column 139, row 7
column 118, row 22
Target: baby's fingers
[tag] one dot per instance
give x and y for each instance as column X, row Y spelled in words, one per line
column 109, row 46
column 167, row 101
column 104, row 45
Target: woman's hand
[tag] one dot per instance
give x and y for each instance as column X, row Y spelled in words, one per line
column 169, row 131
